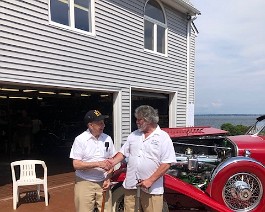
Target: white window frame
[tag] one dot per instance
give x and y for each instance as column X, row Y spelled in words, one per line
column 117, row 119
column 72, row 21
column 156, row 23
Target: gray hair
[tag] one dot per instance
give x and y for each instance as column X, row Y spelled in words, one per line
column 148, row 113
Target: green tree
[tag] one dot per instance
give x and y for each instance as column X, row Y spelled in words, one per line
column 234, row 129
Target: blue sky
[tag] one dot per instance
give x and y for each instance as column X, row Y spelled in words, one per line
column 230, row 57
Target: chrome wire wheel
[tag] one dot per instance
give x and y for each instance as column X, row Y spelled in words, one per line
column 242, row 192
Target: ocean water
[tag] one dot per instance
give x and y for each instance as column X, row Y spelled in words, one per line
column 217, row 120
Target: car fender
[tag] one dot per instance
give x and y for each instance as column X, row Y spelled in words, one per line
column 231, row 160
column 238, row 166
column 119, row 175
column 179, row 186
column 191, row 191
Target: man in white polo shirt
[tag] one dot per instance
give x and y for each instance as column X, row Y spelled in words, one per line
column 89, row 153
column 150, row 153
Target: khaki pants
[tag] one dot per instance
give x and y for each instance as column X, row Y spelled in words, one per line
column 148, row 202
column 88, row 196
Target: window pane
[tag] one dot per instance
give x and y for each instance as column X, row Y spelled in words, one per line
column 82, row 14
column 60, row 11
column 148, row 35
column 160, row 39
column 154, row 11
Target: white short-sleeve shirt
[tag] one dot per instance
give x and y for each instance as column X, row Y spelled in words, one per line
column 144, row 156
column 89, row 149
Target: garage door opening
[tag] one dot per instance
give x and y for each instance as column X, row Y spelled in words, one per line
column 60, row 111
column 158, row 101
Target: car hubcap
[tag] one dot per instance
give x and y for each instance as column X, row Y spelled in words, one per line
column 242, row 192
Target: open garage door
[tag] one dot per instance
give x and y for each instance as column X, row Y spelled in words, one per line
column 158, row 101
column 60, row 111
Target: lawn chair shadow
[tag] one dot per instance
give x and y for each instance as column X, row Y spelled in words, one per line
column 30, row 197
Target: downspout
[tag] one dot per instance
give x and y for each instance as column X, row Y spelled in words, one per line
column 190, row 20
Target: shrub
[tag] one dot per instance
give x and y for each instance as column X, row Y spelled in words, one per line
column 234, row 129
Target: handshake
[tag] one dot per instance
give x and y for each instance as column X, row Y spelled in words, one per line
column 106, row 164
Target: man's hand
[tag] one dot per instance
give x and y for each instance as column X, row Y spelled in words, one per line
column 105, row 164
column 145, row 184
column 116, row 159
column 106, row 184
column 111, row 161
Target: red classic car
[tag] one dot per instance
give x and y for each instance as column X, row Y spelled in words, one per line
column 212, row 172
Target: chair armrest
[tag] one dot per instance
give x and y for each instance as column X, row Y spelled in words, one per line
column 45, row 169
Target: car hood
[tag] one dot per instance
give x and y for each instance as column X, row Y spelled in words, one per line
column 255, row 144
column 247, row 140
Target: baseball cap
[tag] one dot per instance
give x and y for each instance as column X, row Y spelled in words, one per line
column 94, row 115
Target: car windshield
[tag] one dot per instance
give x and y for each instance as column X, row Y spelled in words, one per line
column 258, row 128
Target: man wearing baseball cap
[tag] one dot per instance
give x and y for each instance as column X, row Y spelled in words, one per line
column 89, row 153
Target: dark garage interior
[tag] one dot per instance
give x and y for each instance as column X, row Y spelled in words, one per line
column 61, row 115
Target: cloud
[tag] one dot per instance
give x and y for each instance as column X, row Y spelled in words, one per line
column 217, row 104
column 230, row 62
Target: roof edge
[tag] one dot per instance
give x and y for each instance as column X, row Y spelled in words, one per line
column 189, row 6
column 183, row 6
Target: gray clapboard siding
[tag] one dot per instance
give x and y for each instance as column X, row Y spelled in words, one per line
column 34, row 50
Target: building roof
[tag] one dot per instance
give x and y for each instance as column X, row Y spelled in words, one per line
column 184, row 6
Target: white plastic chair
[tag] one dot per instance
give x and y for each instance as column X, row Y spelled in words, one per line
column 28, row 177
